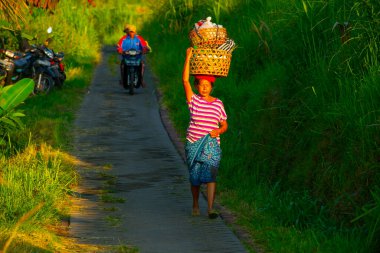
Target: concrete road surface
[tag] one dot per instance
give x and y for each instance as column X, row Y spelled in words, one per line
column 134, row 189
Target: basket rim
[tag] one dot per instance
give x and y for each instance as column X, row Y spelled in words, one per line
column 197, row 35
column 211, row 49
column 217, row 65
column 210, row 28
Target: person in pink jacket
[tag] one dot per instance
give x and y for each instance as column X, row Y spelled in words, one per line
column 131, row 40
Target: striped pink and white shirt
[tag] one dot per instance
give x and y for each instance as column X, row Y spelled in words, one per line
column 204, row 117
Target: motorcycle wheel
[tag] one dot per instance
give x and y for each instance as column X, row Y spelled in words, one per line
column 60, row 80
column 124, row 77
column 3, row 76
column 137, row 80
column 43, row 84
column 131, row 80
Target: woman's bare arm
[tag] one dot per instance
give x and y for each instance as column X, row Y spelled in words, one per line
column 186, row 75
column 223, row 126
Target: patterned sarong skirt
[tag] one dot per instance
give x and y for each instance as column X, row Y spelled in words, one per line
column 203, row 159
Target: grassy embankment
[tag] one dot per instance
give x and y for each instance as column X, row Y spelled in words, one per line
column 37, row 171
column 301, row 157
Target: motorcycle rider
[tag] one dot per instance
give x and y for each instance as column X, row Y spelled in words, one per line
column 131, row 40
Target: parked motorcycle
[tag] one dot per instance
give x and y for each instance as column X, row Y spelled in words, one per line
column 131, row 64
column 16, row 65
column 49, row 70
column 6, row 67
column 43, row 72
column 57, row 68
column 38, row 62
column 32, row 64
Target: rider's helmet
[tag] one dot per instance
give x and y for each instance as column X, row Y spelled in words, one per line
column 129, row 27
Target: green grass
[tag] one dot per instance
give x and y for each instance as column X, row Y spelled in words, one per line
column 113, row 221
column 39, row 176
column 300, row 157
column 125, row 249
column 38, row 166
column 106, row 198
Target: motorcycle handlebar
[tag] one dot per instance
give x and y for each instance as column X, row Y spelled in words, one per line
column 12, row 54
column 129, row 52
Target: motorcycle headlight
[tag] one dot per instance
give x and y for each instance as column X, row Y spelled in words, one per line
column 43, row 63
column 9, row 53
column 49, row 53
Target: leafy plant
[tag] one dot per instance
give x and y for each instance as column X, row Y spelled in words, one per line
column 10, row 97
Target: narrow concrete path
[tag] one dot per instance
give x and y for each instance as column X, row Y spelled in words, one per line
column 134, row 189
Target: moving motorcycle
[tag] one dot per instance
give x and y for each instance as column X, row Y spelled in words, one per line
column 131, row 69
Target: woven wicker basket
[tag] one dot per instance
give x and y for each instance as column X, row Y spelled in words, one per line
column 208, row 37
column 210, row 62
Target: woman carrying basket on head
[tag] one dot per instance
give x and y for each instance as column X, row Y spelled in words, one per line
column 208, row 120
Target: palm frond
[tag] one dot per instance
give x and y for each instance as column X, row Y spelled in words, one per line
column 13, row 10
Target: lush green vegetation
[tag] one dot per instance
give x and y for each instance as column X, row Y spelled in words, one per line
column 301, row 157
column 36, row 171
